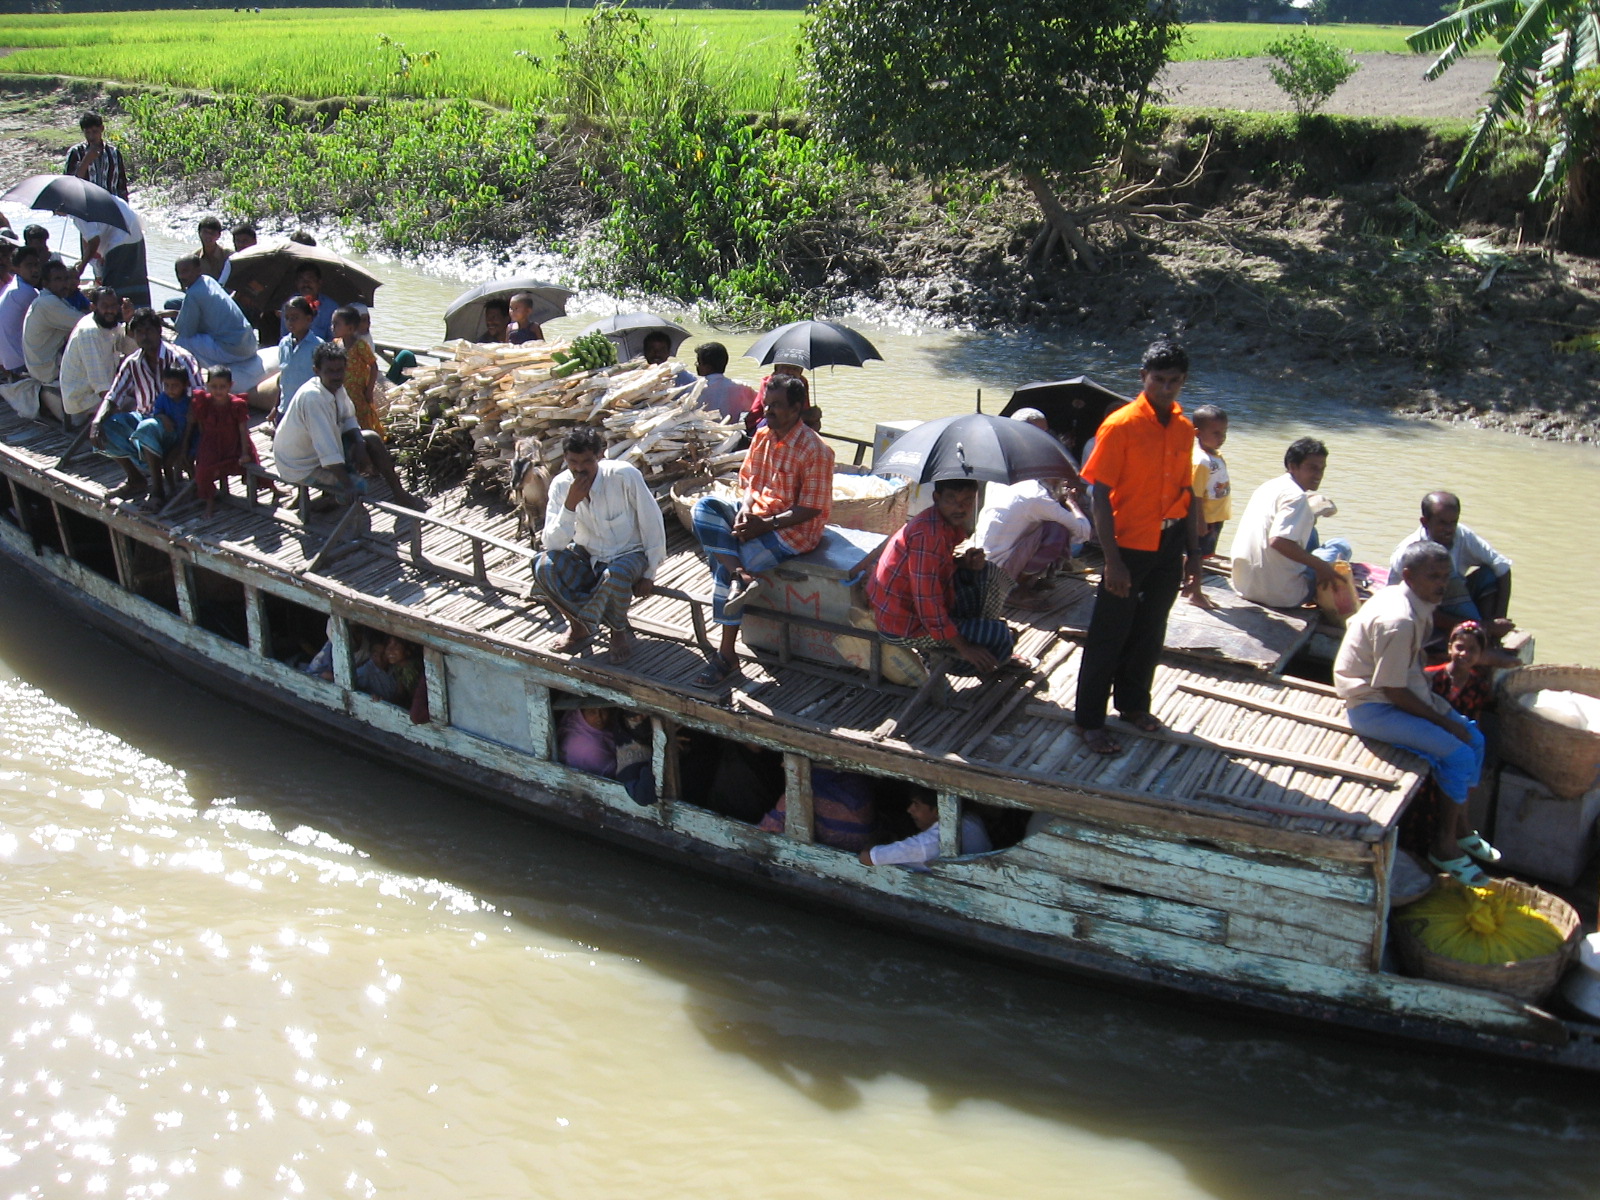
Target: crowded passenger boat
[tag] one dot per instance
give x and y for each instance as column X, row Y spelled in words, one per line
column 996, row 684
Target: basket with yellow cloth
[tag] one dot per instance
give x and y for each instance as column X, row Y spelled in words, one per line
column 1508, row 937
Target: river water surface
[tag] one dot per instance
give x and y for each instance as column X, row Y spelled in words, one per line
column 239, row 961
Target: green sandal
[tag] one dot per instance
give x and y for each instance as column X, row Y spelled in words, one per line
column 1478, row 846
column 1462, row 870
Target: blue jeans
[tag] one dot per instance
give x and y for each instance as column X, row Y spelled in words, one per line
column 1332, row 551
column 1457, row 765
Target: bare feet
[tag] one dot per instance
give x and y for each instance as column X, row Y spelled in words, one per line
column 1100, row 742
column 126, row 491
column 622, row 643
column 1030, row 600
column 577, row 638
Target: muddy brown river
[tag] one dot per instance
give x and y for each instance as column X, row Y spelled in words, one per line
column 238, row 961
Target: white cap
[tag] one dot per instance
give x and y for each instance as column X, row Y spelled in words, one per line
column 1029, row 414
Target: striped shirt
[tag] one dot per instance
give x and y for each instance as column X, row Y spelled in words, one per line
column 137, row 383
column 794, row 473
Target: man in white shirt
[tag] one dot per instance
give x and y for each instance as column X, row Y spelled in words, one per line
column 1278, row 559
column 1480, row 576
column 721, row 395
column 95, row 349
column 44, row 332
column 319, row 440
column 603, row 541
column 1378, row 674
column 923, row 846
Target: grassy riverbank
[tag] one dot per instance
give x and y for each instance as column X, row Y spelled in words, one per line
column 500, row 57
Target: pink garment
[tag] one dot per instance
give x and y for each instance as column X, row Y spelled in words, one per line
column 1035, row 550
column 585, row 748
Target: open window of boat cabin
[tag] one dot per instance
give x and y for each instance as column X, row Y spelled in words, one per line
column 34, row 515
column 87, row 542
column 728, row 777
column 219, row 605
column 289, row 632
column 384, row 665
column 149, row 572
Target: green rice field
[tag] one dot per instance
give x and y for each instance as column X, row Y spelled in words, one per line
column 487, row 55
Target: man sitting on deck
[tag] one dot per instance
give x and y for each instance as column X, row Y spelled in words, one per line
column 1025, row 528
column 320, row 442
column 210, row 325
column 50, row 321
column 603, row 541
column 785, row 498
column 95, row 349
column 1378, row 674
column 130, row 401
column 923, row 597
column 1277, row 557
column 1480, row 576
column 1142, row 473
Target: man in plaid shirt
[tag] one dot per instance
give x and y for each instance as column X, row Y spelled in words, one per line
column 786, row 495
column 124, row 426
column 923, row 596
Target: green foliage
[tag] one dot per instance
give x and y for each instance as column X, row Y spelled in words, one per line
column 1549, row 52
column 1310, row 69
column 421, row 175
column 980, row 85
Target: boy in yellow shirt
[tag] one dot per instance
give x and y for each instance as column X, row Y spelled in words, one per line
column 1211, row 485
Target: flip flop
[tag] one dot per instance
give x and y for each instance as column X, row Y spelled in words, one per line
column 1144, row 722
column 1463, row 870
column 1098, row 741
column 739, row 594
column 1479, row 848
column 717, row 669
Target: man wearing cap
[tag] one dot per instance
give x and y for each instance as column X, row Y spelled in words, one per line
column 1025, row 528
column 1142, row 473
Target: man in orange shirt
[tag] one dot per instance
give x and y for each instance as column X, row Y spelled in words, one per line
column 1142, row 474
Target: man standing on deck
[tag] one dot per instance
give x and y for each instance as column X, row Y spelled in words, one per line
column 785, row 497
column 1141, row 473
column 603, row 541
column 131, row 399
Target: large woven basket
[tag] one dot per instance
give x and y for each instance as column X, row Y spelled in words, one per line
column 1567, row 761
column 875, row 514
column 1530, row 980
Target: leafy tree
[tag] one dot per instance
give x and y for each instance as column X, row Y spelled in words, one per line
column 1309, row 69
column 1548, row 80
column 1036, row 86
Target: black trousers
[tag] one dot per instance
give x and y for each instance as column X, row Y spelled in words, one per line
column 1126, row 633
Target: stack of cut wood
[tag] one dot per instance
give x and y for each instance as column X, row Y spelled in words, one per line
column 502, row 395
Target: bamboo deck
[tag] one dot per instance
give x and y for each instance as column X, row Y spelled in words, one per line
column 1241, row 743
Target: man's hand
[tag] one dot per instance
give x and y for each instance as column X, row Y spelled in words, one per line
column 1457, row 728
column 582, row 485
column 971, row 560
column 1115, row 577
column 643, row 588
column 976, row 655
column 360, row 459
column 96, row 435
column 747, row 526
column 1324, row 572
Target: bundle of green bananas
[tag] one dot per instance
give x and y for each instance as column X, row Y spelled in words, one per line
column 588, row 353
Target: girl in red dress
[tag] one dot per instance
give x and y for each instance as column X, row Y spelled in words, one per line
column 225, row 448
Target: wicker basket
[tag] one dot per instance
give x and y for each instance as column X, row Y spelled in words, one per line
column 1567, row 761
column 875, row 514
column 1530, row 980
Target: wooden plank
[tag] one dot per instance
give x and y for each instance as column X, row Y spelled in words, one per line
column 259, row 631
column 344, row 673
column 949, row 824
column 436, row 680
column 798, row 821
column 183, row 582
column 1263, row 936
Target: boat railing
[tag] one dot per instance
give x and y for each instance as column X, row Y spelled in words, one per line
column 409, row 525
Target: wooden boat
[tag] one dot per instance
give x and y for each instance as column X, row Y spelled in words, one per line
column 1242, row 856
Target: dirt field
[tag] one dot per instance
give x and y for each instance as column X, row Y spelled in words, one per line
column 1387, row 85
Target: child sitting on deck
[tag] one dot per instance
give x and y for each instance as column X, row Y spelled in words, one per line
column 166, row 456
column 221, row 422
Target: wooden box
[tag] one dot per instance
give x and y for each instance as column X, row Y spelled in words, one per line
column 1540, row 834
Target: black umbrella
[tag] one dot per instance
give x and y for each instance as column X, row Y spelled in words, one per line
column 464, row 317
column 975, row 446
column 628, row 331
column 69, row 196
column 813, row 344
column 266, row 271
column 1073, row 408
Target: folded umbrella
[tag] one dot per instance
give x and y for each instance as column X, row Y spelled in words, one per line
column 464, row 317
column 69, row 196
column 975, row 446
column 266, row 271
column 628, row 331
column 814, row 344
